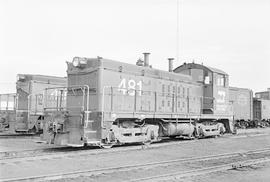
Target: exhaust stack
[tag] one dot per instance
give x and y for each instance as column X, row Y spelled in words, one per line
column 146, row 59
column 170, row 64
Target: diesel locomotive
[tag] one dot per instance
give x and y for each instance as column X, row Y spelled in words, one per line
column 7, row 111
column 112, row 103
column 23, row 111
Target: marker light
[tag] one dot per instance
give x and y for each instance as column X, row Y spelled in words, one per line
column 76, row 61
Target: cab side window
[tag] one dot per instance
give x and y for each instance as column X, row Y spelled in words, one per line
column 220, row 80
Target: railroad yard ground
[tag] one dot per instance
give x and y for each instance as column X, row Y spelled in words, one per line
column 260, row 173
column 212, row 159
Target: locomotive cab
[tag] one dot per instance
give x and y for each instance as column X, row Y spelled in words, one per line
column 215, row 87
column 215, row 97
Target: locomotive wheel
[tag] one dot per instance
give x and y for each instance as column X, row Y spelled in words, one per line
column 150, row 137
column 108, row 142
column 191, row 136
column 106, row 145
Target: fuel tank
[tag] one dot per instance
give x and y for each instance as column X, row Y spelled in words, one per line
column 178, row 129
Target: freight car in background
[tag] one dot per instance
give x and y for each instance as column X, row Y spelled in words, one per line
column 250, row 112
column 242, row 107
column 30, row 90
column 110, row 102
column 263, row 95
column 261, row 107
column 7, row 111
column 261, row 110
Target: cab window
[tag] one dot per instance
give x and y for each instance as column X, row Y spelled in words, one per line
column 221, row 80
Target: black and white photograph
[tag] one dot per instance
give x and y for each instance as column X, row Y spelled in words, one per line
column 134, row 90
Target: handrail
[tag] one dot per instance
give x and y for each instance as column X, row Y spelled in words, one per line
column 87, row 97
column 28, row 101
column 7, row 101
column 102, row 107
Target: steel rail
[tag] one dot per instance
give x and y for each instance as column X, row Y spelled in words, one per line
column 202, row 171
column 18, row 135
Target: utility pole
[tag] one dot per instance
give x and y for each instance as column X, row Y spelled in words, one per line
column 177, row 30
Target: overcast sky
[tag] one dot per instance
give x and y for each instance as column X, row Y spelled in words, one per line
column 38, row 37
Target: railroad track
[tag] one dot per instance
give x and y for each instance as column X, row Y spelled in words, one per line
column 69, row 151
column 202, row 171
column 48, row 153
column 213, row 163
column 17, row 135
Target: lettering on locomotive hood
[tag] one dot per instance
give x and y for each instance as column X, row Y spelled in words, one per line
column 129, row 86
column 221, row 96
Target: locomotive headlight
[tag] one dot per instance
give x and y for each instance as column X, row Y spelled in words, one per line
column 20, row 77
column 79, row 62
column 76, row 62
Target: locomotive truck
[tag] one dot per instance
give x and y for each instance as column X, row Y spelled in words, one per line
column 110, row 103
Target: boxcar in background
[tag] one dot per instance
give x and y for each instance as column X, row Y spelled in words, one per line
column 242, row 106
column 30, row 108
column 241, row 99
column 261, row 109
column 263, row 95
